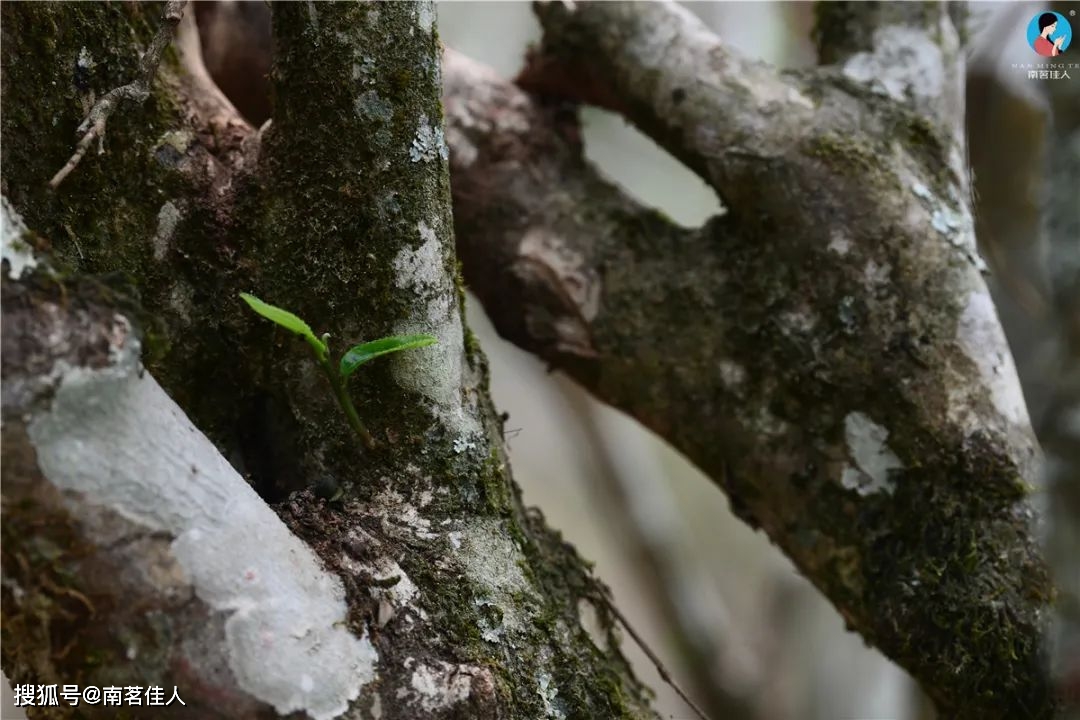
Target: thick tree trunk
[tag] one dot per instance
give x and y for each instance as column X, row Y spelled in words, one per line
column 429, row 590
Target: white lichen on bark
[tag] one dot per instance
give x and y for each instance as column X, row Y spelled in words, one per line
column 874, row 459
column 493, row 562
column 17, row 253
column 169, row 217
column 437, row 373
column 425, row 15
column 437, row 687
column 112, row 437
column 429, row 143
column 732, row 373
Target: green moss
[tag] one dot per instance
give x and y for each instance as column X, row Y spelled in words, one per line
column 845, row 153
column 103, row 217
column 973, row 628
column 921, row 573
column 493, row 479
column 82, row 217
column 926, row 143
column 316, row 230
column 560, row 572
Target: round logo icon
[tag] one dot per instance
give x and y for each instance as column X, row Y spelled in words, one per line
column 1049, row 34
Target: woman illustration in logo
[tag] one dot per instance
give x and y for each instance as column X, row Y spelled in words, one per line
column 1048, row 24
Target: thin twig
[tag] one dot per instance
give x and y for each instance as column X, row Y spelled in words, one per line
column 653, row 657
column 93, row 127
column 668, row 572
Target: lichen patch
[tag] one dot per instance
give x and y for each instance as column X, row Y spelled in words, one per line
column 282, row 610
column 435, row 372
column 370, row 105
column 425, row 15
column 15, row 251
column 440, row 685
column 874, row 460
column 549, row 695
column 798, row 321
column 493, row 562
column 429, row 143
column 839, row 243
column 398, row 515
column 732, row 374
column 875, row 275
column 168, row 219
column 905, row 60
column 85, row 60
column 182, row 300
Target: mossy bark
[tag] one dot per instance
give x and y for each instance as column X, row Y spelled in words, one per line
column 826, row 350
column 339, row 212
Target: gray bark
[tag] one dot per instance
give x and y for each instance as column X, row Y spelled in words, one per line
column 429, row 591
column 827, row 350
column 179, row 567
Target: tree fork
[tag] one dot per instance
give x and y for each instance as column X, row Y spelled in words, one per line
column 469, row 601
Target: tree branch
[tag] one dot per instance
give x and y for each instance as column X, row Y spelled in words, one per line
column 137, row 506
column 536, row 223
column 216, row 112
column 827, row 351
column 909, row 52
column 659, row 66
column 470, row 601
column 725, row 670
column 93, row 127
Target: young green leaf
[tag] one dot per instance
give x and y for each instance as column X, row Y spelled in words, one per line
column 287, row 320
column 360, row 354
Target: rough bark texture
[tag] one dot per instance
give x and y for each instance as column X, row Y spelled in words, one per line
column 134, row 553
column 827, row 350
column 339, row 211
